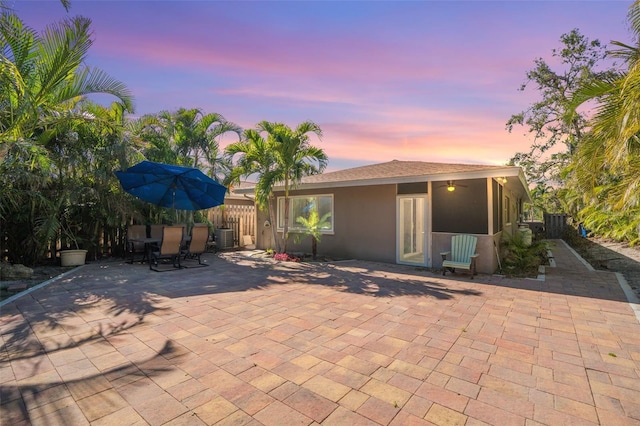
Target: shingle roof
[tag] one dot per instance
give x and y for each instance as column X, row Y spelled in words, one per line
column 394, row 172
column 400, row 169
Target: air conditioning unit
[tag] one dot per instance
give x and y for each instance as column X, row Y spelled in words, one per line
column 224, row 238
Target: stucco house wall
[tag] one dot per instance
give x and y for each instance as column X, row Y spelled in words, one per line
column 364, row 221
column 487, row 202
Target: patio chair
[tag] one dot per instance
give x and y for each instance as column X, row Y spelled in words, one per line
column 156, row 231
column 463, row 254
column 197, row 244
column 136, row 232
column 183, row 225
column 185, row 233
column 169, row 248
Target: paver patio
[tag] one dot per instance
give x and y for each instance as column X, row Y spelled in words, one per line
column 252, row 341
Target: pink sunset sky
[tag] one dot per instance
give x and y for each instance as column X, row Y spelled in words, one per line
column 415, row 80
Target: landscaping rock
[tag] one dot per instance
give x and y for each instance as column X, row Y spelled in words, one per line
column 9, row 272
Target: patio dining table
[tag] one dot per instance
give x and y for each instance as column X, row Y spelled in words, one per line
column 148, row 243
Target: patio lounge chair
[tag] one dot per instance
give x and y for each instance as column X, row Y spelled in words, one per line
column 463, row 254
column 169, row 248
column 197, row 244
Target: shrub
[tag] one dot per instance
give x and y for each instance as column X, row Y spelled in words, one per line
column 521, row 259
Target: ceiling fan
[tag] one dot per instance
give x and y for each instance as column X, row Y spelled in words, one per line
column 451, row 186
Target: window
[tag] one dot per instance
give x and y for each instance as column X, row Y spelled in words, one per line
column 498, row 207
column 507, row 210
column 303, row 206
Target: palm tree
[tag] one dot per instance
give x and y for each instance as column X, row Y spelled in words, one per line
column 4, row 6
column 606, row 168
column 255, row 158
column 44, row 78
column 109, row 146
column 295, row 158
column 313, row 226
column 187, row 137
column 154, row 136
column 195, row 136
column 44, row 85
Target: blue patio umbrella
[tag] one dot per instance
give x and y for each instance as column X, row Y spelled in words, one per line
column 176, row 187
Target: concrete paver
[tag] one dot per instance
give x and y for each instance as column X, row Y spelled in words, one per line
column 253, row 341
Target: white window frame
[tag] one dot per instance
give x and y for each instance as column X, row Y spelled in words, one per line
column 507, row 210
column 295, row 227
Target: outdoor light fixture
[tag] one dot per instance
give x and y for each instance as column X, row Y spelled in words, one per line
column 450, row 186
column 502, row 180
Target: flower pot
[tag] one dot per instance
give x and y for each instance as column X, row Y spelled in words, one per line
column 73, row 257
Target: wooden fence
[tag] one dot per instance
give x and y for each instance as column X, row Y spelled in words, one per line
column 240, row 218
column 555, row 225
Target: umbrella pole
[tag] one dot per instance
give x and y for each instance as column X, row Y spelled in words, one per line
column 173, row 206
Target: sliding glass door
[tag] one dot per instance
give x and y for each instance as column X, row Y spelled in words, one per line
column 412, row 230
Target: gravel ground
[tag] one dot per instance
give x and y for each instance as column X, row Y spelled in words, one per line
column 612, row 256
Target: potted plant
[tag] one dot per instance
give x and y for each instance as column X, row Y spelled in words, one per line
column 71, row 256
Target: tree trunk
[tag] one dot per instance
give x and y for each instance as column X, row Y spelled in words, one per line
column 314, row 247
column 285, row 232
column 274, row 225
